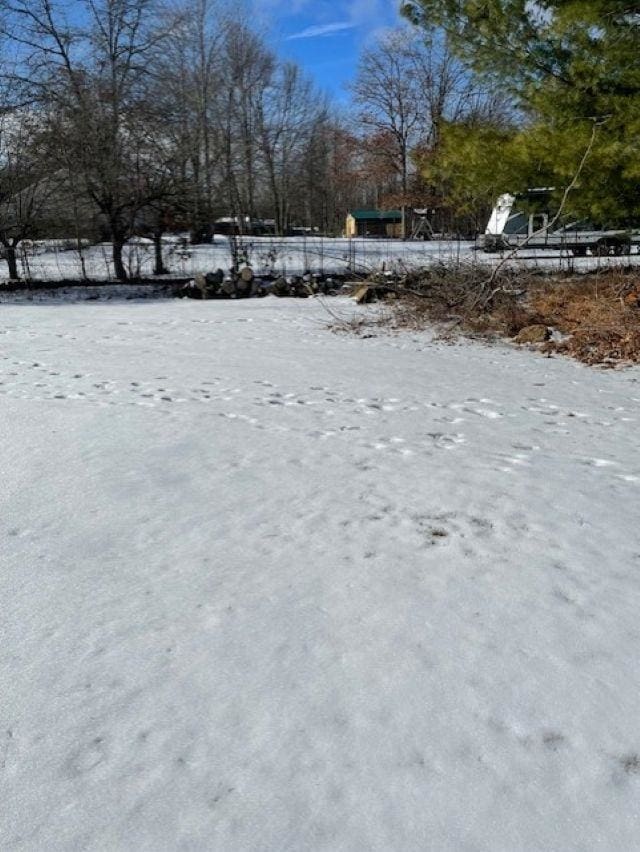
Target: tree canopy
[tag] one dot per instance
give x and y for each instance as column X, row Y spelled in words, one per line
column 568, row 64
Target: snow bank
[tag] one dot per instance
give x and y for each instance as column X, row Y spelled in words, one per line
column 269, row 588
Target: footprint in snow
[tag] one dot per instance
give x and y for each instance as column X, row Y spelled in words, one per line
column 589, row 462
column 440, row 527
column 88, row 757
column 446, row 442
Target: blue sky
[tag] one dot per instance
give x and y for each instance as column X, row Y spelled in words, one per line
column 325, row 36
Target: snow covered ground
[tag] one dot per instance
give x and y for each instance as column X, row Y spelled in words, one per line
column 265, row 587
column 292, row 255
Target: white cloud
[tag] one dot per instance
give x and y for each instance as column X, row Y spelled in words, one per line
column 365, row 17
column 372, row 14
column 320, row 30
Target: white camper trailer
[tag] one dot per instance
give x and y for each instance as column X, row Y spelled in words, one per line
column 511, row 226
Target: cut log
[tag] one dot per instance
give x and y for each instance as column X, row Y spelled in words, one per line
column 280, row 287
column 228, row 288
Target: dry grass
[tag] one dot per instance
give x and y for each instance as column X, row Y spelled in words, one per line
column 600, row 316
column 597, row 315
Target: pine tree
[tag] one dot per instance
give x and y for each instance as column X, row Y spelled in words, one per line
column 568, row 63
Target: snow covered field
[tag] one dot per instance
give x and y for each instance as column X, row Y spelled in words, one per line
column 288, row 256
column 269, row 588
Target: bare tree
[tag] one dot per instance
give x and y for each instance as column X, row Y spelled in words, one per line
column 89, row 80
column 448, row 91
column 248, row 68
column 406, row 88
column 391, row 102
column 165, row 192
column 170, row 118
column 190, row 79
column 289, row 114
column 217, row 69
column 28, row 188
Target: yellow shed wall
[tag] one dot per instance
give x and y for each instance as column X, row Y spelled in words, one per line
column 351, row 229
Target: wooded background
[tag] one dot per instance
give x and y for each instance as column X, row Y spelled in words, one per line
column 123, row 117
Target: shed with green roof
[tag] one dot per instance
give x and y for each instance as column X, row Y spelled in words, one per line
column 374, row 223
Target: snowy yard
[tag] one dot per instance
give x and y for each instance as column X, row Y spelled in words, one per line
column 288, row 256
column 269, row 588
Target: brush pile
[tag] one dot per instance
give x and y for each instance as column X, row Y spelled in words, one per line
column 594, row 317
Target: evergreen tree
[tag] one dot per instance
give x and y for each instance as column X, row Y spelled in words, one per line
column 569, row 63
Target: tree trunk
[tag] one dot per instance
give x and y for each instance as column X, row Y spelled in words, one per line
column 159, row 268
column 12, row 262
column 405, row 185
column 118, row 265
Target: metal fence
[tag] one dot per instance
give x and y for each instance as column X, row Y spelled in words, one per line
column 57, row 261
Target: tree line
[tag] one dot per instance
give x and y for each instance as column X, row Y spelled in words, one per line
column 122, row 117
